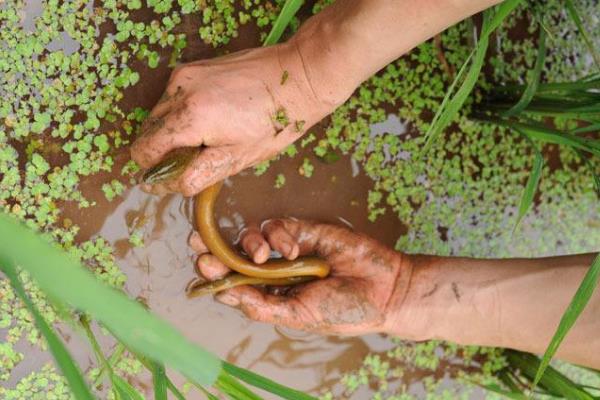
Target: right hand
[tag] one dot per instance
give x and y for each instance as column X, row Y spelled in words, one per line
column 362, row 294
column 230, row 106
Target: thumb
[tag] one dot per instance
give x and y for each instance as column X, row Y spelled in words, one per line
column 263, row 307
column 209, row 166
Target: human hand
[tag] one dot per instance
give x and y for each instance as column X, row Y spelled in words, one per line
column 242, row 108
column 361, row 295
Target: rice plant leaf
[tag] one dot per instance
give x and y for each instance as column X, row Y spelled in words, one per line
column 159, row 379
column 121, row 388
column 578, row 303
column 574, row 14
column 452, row 103
column 531, row 186
column 234, row 389
column 124, row 390
column 509, row 395
column 545, row 134
column 264, row 383
column 450, row 108
column 288, row 11
column 63, row 359
column 64, row 279
column 534, row 78
column 173, row 389
column 502, row 11
column 553, row 382
column 590, row 128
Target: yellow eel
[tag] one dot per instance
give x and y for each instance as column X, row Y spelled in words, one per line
column 274, row 272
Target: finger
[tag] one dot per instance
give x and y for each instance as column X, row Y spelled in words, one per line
column 211, row 165
column 196, row 243
column 160, row 135
column 168, row 102
column 324, row 240
column 278, row 310
column 255, row 245
column 280, row 239
column 210, row 267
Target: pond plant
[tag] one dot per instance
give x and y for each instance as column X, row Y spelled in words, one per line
column 66, row 66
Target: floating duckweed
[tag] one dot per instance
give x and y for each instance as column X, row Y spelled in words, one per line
column 306, row 169
column 279, row 181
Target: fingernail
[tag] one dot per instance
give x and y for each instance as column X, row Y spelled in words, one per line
column 286, row 248
column 228, row 299
column 254, row 246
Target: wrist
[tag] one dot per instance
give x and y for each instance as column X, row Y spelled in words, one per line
column 321, row 47
column 449, row 298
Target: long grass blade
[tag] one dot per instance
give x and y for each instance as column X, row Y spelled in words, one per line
column 121, row 388
column 124, row 390
column 234, row 389
column 552, row 381
column 534, row 79
column 509, row 395
column 532, row 184
column 264, row 383
column 450, row 109
column 173, row 389
column 64, row 279
column 63, row 359
column 452, row 103
column 578, row 303
column 574, row 14
column 590, row 128
column 544, row 134
column 159, row 380
column 288, row 11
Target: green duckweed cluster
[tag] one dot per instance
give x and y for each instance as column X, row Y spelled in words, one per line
column 64, row 68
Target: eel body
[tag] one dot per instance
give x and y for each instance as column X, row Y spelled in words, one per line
column 276, row 272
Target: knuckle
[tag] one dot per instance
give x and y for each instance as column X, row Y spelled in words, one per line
column 178, row 74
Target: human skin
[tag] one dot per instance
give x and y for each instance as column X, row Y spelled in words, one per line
column 229, row 104
column 513, row 303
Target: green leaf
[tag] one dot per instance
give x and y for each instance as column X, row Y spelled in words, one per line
column 552, row 381
column 574, row 14
column 288, row 11
column 121, row 388
column 124, row 390
column 173, row 389
column 234, row 389
column 534, row 79
column 159, row 379
column 510, row 395
column 264, row 383
column 452, row 103
column 64, row 279
column 532, row 184
column 503, row 10
column 578, row 303
column 63, row 359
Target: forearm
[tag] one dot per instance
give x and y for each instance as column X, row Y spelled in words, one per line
column 352, row 39
column 515, row 303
